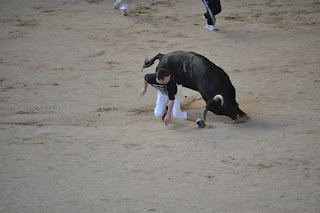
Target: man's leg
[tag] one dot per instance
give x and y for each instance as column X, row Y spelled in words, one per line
column 117, row 4
column 178, row 114
column 162, row 101
column 213, row 7
column 125, row 6
column 176, row 109
column 208, row 15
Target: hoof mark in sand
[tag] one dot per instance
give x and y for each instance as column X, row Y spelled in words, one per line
column 48, row 11
column 22, row 23
column 163, row 3
column 107, row 109
column 138, row 111
column 94, row 1
column 142, row 10
column 98, row 54
column 24, row 124
column 234, row 18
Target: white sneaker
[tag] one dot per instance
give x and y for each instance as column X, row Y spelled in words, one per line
column 124, row 12
column 211, row 27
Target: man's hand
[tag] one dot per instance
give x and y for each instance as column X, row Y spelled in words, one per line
column 144, row 89
column 167, row 119
column 143, row 92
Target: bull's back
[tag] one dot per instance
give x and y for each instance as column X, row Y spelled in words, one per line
column 191, row 70
column 180, row 66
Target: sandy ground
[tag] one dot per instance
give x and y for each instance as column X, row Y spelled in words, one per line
column 76, row 136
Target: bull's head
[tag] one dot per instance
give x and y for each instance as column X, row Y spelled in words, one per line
column 220, row 106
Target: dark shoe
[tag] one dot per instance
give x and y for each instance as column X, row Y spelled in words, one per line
column 201, row 124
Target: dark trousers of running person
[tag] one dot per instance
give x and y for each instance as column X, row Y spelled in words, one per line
column 213, row 8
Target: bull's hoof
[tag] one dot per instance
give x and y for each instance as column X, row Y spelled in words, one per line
column 245, row 116
column 241, row 119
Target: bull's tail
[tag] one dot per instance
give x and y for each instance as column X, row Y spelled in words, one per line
column 149, row 62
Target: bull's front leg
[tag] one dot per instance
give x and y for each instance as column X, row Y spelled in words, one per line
column 204, row 113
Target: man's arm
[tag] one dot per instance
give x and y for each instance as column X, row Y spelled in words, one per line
column 167, row 119
column 144, row 89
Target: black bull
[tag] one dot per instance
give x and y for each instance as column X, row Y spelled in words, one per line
column 196, row 72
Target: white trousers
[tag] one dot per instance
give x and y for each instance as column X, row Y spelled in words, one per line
column 162, row 102
column 126, row 4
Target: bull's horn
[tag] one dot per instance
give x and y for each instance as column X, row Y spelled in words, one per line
column 204, row 113
column 219, row 97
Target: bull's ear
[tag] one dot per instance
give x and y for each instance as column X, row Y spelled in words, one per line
column 219, row 97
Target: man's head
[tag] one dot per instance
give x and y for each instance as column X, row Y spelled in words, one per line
column 163, row 76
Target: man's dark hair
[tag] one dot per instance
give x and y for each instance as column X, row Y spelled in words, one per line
column 162, row 73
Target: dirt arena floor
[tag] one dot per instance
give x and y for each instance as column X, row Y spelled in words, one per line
column 76, row 136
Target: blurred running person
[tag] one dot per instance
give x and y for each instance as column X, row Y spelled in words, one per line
column 124, row 7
